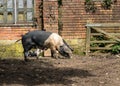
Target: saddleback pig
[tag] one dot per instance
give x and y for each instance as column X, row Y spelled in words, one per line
column 44, row 40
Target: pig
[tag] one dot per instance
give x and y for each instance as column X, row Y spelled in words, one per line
column 44, row 40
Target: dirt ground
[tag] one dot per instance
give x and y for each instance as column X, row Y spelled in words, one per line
column 78, row 71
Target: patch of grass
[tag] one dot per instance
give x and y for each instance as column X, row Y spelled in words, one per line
column 12, row 50
column 78, row 52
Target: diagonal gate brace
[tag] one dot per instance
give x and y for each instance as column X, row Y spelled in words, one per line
column 108, row 34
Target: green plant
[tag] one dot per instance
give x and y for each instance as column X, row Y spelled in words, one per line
column 59, row 3
column 90, row 6
column 60, row 23
column 106, row 4
column 98, row 38
column 41, row 15
column 116, row 48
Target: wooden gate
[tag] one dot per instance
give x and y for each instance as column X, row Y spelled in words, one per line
column 101, row 36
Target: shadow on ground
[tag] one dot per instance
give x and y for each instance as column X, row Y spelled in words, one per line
column 14, row 71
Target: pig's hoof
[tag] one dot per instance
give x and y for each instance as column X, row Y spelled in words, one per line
column 60, row 57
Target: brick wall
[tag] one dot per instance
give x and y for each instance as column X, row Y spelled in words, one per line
column 50, row 15
column 13, row 33
column 74, row 17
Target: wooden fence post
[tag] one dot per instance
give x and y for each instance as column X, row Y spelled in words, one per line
column 88, row 30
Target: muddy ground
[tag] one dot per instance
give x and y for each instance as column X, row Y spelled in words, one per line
column 78, row 71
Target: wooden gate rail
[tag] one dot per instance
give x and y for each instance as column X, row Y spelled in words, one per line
column 97, row 27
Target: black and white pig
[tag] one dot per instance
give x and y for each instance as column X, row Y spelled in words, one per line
column 44, row 40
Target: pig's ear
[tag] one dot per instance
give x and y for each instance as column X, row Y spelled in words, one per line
column 65, row 43
column 71, row 49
